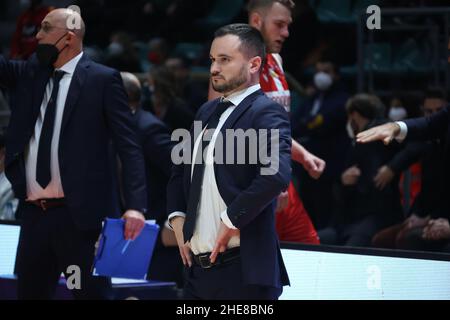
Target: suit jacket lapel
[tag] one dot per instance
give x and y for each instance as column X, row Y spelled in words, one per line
column 203, row 117
column 74, row 93
column 240, row 109
column 229, row 123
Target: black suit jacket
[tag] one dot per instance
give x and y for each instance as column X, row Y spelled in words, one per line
column 249, row 196
column 434, row 127
column 95, row 112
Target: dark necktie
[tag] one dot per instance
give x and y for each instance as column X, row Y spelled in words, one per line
column 197, row 176
column 43, row 173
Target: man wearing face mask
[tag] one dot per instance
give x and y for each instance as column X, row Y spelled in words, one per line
column 319, row 125
column 65, row 110
column 397, row 112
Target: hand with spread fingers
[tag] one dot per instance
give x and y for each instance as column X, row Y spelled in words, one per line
column 386, row 133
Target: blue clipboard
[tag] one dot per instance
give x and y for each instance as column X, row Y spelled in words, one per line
column 117, row 257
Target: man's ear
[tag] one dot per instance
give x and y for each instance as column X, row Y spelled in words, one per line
column 255, row 64
column 256, row 20
column 70, row 36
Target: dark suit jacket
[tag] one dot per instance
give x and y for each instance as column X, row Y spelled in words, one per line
column 430, row 128
column 249, row 196
column 96, row 110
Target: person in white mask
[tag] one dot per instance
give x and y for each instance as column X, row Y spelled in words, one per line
column 397, row 112
column 319, row 124
column 326, row 74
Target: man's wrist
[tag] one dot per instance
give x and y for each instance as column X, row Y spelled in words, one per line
column 174, row 215
column 400, row 131
column 397, row 129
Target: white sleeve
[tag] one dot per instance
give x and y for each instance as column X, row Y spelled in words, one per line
column 227, row 220
column 403, row 131
column 173, row 215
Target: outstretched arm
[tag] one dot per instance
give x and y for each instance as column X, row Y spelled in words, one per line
column 386, row 133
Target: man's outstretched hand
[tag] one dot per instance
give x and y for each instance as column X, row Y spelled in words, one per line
column 386, row 133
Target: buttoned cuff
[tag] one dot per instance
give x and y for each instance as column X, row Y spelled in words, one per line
column 403, row 131
column 173, row 215
column 226, row 220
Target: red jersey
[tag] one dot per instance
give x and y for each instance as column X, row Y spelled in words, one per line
column 293, row 223
column 273, row 81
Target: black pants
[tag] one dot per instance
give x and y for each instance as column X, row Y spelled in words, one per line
column 224, row 282
column 356, row 234
column 49, row 243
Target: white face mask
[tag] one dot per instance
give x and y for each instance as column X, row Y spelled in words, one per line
column 323, row 81
column 397, row 113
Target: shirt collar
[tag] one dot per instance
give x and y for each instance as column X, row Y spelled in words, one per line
column 70, row 66
column 237, row 97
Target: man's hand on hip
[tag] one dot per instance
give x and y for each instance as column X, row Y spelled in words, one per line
column 222, row 240
column 177, row 224
column 134, row 223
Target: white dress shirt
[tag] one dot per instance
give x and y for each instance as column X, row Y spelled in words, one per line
column 212, row 209
column 403, row 131
column 54, row 188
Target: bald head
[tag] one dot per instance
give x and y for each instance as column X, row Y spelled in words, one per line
column 67, row 19
column 133, row 89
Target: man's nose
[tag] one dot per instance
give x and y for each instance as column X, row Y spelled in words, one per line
column 285, row 32
column 214, row 69
column 39, row 35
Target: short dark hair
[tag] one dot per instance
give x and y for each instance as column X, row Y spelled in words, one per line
column 367, row 105
column 263, row 4
column 434, row 93
column 329, row 57
column 252, row 42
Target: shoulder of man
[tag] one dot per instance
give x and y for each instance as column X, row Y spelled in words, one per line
column 98, row 68
column 263, row 102
column 146, row 120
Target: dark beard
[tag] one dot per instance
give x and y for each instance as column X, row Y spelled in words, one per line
column 234, row 83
